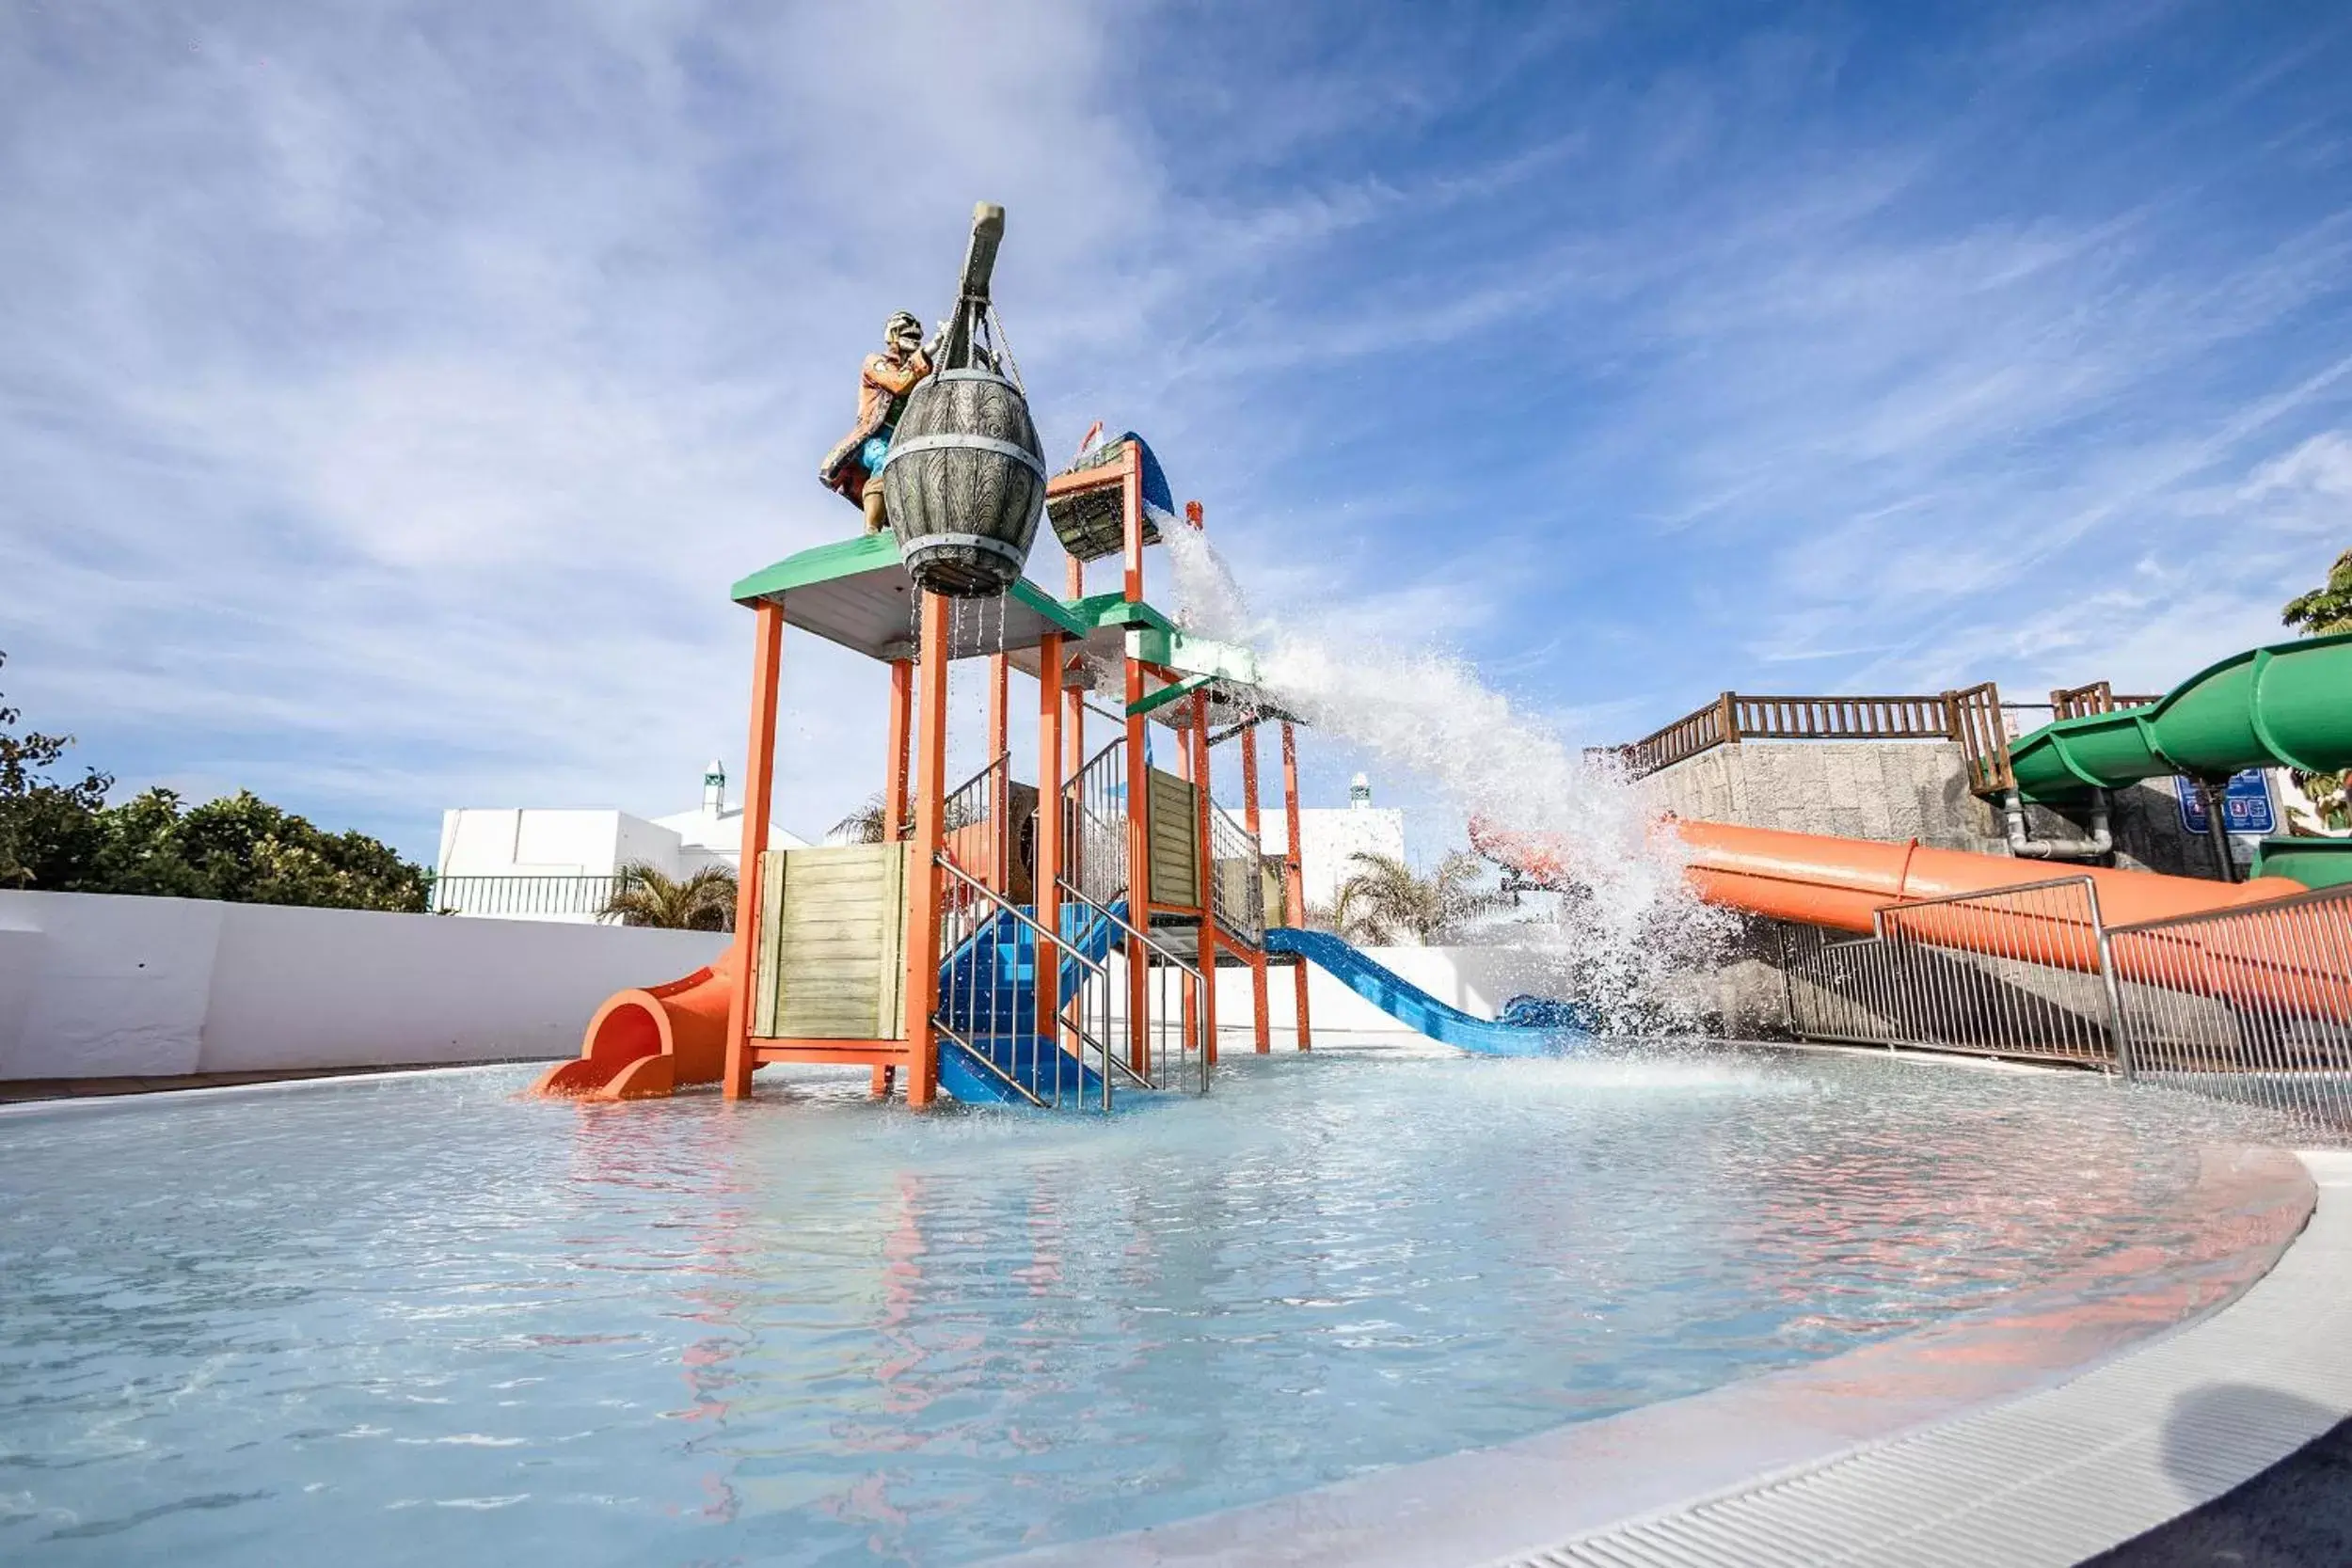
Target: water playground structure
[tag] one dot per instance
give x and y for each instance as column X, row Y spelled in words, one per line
column 1718, row 1304
column 1008, row 952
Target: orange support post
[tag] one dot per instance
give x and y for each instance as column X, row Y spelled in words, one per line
column 894, row 774
column 1131, row 504
column 1294, row 893
column 1139, row 782
column 894, row 818
column 930, row 831
column 1049, row 828
column 1250, row 820
column 1206, row 876
column 1074, row 738
column 759, row 770
column 999, row 877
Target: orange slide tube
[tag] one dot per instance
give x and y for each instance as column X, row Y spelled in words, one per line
column 1837, row 883
column 1840, row 883
column 643, row 1044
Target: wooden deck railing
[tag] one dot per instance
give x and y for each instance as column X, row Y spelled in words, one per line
column 2080, row 702
column 1737, row 716
column 1972, row 717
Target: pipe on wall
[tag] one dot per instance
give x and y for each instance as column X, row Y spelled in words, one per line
column 2022, row 844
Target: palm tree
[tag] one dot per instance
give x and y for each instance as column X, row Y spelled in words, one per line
column 865, row 825
column 862, row 826
column 1387, row 899
column 641, row 895
column 2326, row 610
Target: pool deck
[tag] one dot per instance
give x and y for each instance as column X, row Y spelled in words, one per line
column 2044, row 1434
column 19, row 1091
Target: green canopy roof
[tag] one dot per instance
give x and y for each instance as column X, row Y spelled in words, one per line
column 857, row 593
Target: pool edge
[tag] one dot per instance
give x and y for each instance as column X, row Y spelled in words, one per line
column 1539, row 1499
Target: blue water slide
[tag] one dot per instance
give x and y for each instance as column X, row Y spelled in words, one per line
column 1416, row 1008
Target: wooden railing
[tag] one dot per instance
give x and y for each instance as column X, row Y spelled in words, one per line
column 1982, row 731
column 1972, row 717
column 1736, row 716
column 2080, row 702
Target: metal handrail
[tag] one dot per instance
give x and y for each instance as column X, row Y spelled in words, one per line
column 2287, row 901
column 1020, row 915
column 981, row 1059
column 1167, row 960
column 1167, row 954
column 1060, row 947
column 1980, row 896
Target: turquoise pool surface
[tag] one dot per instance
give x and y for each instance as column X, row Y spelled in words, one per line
column 419, row 1319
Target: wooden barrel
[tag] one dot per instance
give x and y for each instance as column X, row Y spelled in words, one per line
column 964, row 483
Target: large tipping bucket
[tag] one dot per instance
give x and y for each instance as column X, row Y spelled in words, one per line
column 965, row 484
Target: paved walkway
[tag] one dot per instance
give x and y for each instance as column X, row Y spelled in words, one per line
column 13, row 1090
column 2298, row 1514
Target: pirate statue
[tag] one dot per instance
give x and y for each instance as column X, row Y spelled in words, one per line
column 854, row 467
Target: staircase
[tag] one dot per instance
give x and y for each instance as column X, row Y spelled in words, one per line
column 992, row 1049
column 1114, row 1029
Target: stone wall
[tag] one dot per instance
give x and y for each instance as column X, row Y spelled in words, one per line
column 1893, row 790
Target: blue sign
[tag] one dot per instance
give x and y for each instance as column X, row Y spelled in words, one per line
column 2246, row 808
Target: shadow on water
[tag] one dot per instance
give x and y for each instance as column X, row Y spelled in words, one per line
column 2295, row 1514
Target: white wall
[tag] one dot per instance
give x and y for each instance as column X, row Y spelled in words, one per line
column 1328, row 841
column 94, row 986
column 501, row 842
column 498, row 841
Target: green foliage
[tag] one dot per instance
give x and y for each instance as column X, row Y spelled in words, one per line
column 645, row 896
column 1387, row 899
column 245, row 850
column 2324, row 609
column 47, row 824
column 863, row 825
column 63, row 837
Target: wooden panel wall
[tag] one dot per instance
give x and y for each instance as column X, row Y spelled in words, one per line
column 1175, row 829
column 831, row 930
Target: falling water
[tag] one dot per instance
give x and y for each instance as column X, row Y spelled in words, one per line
column 1620, row 941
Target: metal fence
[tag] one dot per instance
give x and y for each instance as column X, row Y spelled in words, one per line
column 523, row 898
column 2250, row 1004
column 1095, row 852
column 2013, row 972
column 2253, row 1003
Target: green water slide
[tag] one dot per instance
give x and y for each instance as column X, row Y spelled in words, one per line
column 2287, row 706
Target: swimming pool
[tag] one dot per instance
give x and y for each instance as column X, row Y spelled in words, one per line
column 417, row 1317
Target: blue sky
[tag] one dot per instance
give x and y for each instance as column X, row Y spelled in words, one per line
column 388, row 392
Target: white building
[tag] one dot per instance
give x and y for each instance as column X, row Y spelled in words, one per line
column 557, row 863
column 1328, row 839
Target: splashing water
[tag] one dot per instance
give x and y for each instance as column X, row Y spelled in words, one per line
column 1619, row 942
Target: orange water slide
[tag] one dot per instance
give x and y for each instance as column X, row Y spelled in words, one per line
column 643, row 1044
column 1840, row 883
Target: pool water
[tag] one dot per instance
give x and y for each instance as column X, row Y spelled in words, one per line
column 420, row 1319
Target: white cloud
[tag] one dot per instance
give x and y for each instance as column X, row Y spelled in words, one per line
column 387, row 395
